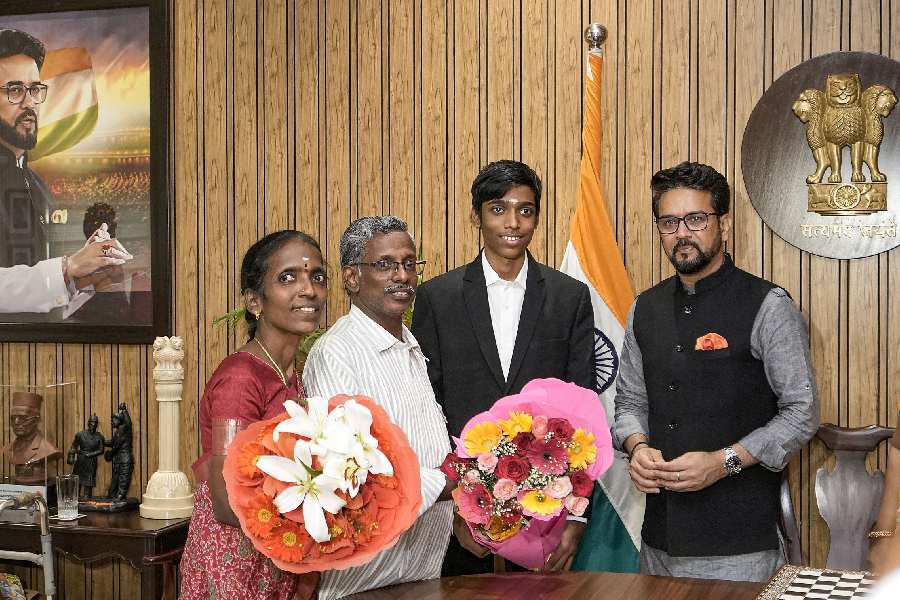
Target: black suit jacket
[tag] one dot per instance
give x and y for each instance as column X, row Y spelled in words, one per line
column 452, row 322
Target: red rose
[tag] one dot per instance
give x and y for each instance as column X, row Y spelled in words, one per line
column 453, row 466
column 522, row 441
column 561, row 429
column 581, row 484
column 513, row 467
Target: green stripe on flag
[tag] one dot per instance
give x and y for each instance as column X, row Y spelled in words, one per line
column 606, row 545
column 65, row 133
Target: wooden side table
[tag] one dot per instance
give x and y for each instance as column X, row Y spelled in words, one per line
column 96, row 536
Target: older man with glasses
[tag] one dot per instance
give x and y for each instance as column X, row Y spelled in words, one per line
column 715, row 393
column 31, row 280
column 371, row 352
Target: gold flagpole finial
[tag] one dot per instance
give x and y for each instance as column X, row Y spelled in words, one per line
column 595, row 35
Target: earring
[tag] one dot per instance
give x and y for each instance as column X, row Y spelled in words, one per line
column 256, row 315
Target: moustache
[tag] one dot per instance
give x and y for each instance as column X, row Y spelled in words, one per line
column 399, row 287
column 686, row 244
column 25, row 114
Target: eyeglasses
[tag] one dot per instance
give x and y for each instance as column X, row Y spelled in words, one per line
column 15, row 92
column 695, row 221
column 384, row 265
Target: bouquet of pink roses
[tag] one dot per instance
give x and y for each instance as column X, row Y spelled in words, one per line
column 526, row 463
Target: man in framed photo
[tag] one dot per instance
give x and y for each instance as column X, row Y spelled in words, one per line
column 32, row 280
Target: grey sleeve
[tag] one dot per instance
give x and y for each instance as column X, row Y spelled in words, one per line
column 780, row 339
column 632, row 407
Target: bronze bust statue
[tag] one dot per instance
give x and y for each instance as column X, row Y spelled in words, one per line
column 30, row 451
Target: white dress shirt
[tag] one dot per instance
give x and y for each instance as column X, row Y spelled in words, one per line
column 505, row 299
column 38, row 289
column 358, row 356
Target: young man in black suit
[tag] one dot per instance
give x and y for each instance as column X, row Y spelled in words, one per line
column 490, row 327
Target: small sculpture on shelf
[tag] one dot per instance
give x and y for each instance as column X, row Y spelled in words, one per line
column 120, row 454
column 83, row 453
column 30, row 452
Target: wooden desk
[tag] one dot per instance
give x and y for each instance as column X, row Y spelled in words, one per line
column 96, row 536
column 562, row 586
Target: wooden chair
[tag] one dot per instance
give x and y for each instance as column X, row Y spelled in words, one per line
column 847, row 497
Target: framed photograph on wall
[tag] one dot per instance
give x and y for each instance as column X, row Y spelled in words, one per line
column 84, row 171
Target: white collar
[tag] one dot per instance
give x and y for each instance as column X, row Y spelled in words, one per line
column 491, row 277
column 380, row 339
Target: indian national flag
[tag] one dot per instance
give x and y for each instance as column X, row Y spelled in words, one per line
column 70, row 113
column 612, row 539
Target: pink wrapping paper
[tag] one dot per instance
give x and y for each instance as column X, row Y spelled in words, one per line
column 531, row 546
column 554, row 398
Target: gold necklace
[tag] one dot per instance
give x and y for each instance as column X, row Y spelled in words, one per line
column 275, row 364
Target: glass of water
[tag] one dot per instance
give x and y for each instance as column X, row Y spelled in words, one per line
column 67, row 497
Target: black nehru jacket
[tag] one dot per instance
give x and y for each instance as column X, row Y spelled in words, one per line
column 704, row 401
column 24, row 209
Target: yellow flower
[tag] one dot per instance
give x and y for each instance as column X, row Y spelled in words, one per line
column 538, row 503
column 499, row 530
column 517, row 422
column 482, row 438
column 582, row 451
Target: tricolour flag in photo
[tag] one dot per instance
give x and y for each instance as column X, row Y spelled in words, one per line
column 71, row 110
column 612, row 540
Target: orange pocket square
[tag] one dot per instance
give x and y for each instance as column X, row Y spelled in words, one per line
column 711, row 341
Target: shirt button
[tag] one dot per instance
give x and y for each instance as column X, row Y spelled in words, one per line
column 688, row 309
column 679, row 348
column 673, row 425
column 673, row 387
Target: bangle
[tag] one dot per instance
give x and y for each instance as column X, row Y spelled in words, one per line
column 873, row 535
column 635, row 447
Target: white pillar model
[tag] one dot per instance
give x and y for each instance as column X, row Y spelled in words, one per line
column 168, row 493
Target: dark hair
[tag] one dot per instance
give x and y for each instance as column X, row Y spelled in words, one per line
column 13, row 42
column 256, row 263
column 96, row 215
column 497, row 178
column 694, row 176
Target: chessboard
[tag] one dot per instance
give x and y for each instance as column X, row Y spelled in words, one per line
column 805, row 583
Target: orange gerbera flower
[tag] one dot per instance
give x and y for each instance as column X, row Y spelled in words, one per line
column 341, row 534
column 247, row 458
column 289, row 542
column 261, row 516
column 383, row 480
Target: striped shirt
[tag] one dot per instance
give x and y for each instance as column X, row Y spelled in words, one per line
column 358, row 356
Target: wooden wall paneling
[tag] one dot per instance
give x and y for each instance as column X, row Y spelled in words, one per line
column 746, row 236
column 674, row 115
column 465, row 130
column 712, row 93
column 533, row 118
column 434, row 61
column 499, row 88
column 337, row 146
column 185, row 285
column 275, row 121
column 401, row 111
column 214, row 226
column 892, row 397
column 569, row 80
column 307, row 183
column 243, row 98
column 639, row 108
column 370, row 119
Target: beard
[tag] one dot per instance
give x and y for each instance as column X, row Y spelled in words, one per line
column 690, row 266
column 16, row 139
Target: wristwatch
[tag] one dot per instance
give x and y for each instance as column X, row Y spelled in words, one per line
column 733, row 462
